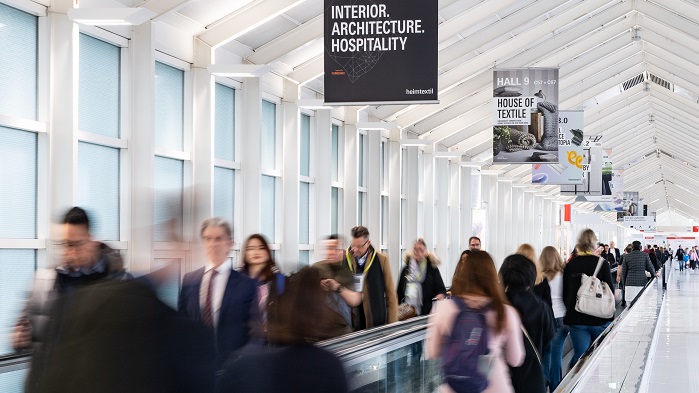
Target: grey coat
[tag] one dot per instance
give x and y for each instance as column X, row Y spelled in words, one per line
column 634, row 268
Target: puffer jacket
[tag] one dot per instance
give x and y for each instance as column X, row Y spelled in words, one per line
column 45, row 292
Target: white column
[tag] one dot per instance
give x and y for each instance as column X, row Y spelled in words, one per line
column 290, row 178
column 63, row 108
column 251, row 123
column 442, row 214
column 202, row 146
column 373, row 184
column 429, row 197
column 502, row 243
column 351, row 170
column 142, row 146
column 411, row 190
column 466, row 210
column 517, row 216
column 323, row 175
column 489, row 189
column 394, row 219
column 454, row 218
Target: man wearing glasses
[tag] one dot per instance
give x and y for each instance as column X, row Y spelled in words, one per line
column 474, row 243
column 372, row 277
column 85, row 262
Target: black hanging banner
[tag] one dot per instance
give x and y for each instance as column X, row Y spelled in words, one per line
column 380, row 52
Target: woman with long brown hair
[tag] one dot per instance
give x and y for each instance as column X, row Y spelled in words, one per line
column 475, row 283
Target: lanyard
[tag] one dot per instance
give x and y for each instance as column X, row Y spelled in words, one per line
column 351, row 266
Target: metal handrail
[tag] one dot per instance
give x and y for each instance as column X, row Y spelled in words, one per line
column 589, row 357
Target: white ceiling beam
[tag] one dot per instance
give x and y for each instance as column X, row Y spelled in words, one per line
column 245, row 20
column 299, row 36
column 524, row 41
column 502, row 28
column 308, row 71
column 679, row 21
column 469, row 18
column 162, row 7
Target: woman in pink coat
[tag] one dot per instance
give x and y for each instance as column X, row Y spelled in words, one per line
column 476, row 283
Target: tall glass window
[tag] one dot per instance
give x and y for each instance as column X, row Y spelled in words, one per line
column 224, row 123
column 99, row 92
column 268, row 206
column 335, row 148
column 224, row 152
column 168, row 202
column 98, row 188
column 224, row 192
column 19, row 62
column 19, row 171
column 169, row 111
column 99, row 113
column 269, row 135
column 18, row 193
column 305, row 146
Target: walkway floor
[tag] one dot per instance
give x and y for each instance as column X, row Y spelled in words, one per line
column 676, row 364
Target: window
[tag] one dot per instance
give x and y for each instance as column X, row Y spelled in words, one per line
column 99, row 113
column 268, row 198
column 269, row 135
column 169, row 144
column 19, row 171
column 19, row 63
column 168, row 202
column 98, row 188
column 224, row 191
column 336, row 177
column 305, row 190
column 383, row 174
column 18, row 194
column 224, row 153
column 169, row 107
column 99, row 87
column 268, row 186
column 361, row 170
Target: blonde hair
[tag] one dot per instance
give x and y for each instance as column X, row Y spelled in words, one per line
column 528, row 251
column 551, row 262
column 586, row 241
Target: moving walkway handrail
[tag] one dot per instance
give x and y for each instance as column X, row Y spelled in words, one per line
column 589, row 358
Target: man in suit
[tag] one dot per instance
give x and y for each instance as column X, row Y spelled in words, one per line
column 219, row 297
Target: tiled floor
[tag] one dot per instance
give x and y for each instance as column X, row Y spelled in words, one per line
column 676, row 365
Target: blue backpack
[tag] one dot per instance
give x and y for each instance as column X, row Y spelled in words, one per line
column 466, row 351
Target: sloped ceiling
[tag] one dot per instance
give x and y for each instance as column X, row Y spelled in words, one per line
column 649, row 122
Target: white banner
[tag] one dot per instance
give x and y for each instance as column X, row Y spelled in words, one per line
column 569, row 169
column 641, row 223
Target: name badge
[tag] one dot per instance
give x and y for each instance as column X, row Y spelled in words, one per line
column 358, row 282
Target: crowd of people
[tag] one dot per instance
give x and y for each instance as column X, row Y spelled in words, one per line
column 89, row 315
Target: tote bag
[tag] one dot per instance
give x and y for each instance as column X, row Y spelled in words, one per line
column 594, row 296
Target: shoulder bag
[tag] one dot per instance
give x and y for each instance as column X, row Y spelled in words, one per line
column 595, row 298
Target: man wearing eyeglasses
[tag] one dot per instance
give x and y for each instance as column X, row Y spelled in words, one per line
column 372, row 277
column 84, row 262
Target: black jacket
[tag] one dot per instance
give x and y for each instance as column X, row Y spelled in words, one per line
column 572, row 275
column 537, row 318
column 431, row 287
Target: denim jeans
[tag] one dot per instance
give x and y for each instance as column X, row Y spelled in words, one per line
column 553, row 355
column 582, row 336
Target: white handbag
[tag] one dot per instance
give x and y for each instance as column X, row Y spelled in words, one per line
column 594, row 296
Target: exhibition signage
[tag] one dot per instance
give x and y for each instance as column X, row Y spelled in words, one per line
column 592, row 164
column 569, row 169
column 630, row 207
column 525, row 116
column 612, row 199
column 380, row 52
column 641, row 223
